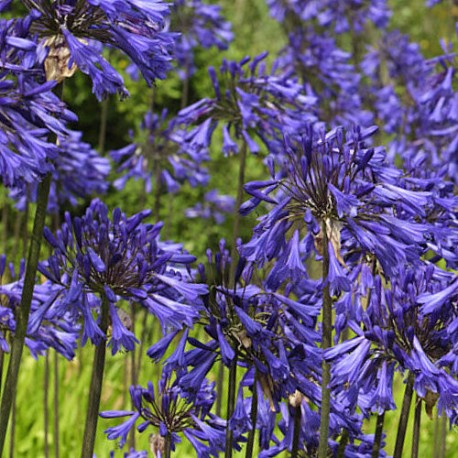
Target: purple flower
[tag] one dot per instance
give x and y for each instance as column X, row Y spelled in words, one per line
column 97, row 257
column 73, row 33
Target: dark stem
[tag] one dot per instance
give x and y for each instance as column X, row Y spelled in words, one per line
column 46, row 402
column 95, row 391
column 9, row 391
column 416, row 427
column 168, row 446
column 56, row 405
column 219, row 389
column 253, row 417
column 343, row 444
column 378, row 435
column 230, row 406
column 297, row 431
column 404, row 418
column 326, row 343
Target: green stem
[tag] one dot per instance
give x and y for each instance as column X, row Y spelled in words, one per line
column 13, row 428
column 416, row 427
column 46, row 402
column 436, row 435
column 9, row 391
column 95, row 390
column 230, row 406
column 405, row 411
column 56, row 405
column 378, row 435
column 297, row 431
column 443, row 443
column 326, row 343
column 253, row 417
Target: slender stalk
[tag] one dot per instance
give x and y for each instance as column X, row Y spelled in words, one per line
column 443, row 443
column 405, row 411
column 95, row 390
column 56, row 405
column 168, row 446
column 46, row 404
column 378, row 435
column 326, row 343
column 297, row 431
column 219, row 389
column 343, row 444
column 2, row 360
column 230, row 406
column 253, row 417
column 436, row 434
column 233, row 269
column 9, row 391
column 13, row 429
column 416, row 427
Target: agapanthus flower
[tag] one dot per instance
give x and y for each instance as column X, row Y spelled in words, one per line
column 58, row 332
column 73, row 32
column 29, row 111
column 171, row 415
column 272, row 337
column 98, row 259
column 200, row 25
column 78, row 172
column 343, row 184
column 248, row 101
column 397, row 333
column 159, row 157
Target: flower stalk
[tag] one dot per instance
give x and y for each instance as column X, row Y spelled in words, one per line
column 378, row 435
column 326, row 343
column 95, row 391
column 9, row 391
column 404, row 418
column 253, row 417
column 416, row 428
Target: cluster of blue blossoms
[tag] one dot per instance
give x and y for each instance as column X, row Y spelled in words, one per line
column 347, row 283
